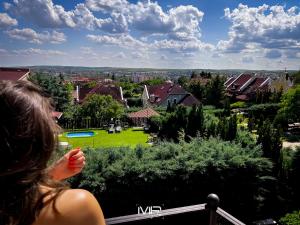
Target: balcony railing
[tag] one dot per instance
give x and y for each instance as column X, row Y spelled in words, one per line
column 211, row 206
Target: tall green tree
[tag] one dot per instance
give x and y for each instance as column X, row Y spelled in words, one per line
column 270, row 140
column 215, row 92
column 290, row 107
column 56, row 87
column 183, row 80
column 195, row 123
column 101, row 107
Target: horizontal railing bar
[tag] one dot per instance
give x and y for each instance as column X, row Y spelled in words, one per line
column 166, row 212
column 229, row 217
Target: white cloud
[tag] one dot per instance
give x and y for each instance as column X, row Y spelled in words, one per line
column 47, row 14
column 7, row 21
column 182, row 46
column 37, row 51
column 106, row 5
column 43, row 13
column 83, row 17
column 32, row 36
column 269, row 27
column 180, row 23
column 123, row 40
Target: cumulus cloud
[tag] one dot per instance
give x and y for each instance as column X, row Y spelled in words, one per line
column 181, row 22
column 7, row 21
column 123, row 40
column 46, row 14
column 107, row 6
column 181, row 46
column 269, row 27
column 43, row 13
column 37, row 51
column 32, row 36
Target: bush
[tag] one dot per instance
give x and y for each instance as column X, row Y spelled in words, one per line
column 291, row 218
column 176, row 175
column 238, row 105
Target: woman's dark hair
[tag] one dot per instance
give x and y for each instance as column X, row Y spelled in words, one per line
column 27, row 140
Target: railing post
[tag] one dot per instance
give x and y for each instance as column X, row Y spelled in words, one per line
column 212, row 205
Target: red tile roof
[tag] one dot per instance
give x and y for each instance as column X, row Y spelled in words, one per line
column 228, row 81
column 145, row 113
column 162, row 91
column 107, row 89
column 255, row 85
column 236, row 84
column 13, row 74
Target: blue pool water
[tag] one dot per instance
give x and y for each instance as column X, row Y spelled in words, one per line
column 80, row 134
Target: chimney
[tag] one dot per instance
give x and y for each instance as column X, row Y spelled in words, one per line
column 77, row 93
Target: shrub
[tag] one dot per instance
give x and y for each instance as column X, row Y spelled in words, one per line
column 291, row 218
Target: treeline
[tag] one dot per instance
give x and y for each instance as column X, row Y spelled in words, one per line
column 186, row 123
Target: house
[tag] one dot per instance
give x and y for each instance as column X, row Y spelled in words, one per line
column 14, row 74
column 167, row 93
column 245, row 86
column 283, row 83
column 141, row 117
column 111, row 89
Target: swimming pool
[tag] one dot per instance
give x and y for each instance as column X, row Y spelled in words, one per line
column 80, row 134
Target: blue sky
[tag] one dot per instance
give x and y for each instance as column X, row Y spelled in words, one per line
column 214, row 34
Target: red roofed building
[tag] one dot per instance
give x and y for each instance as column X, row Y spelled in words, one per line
column 101, row 89
column 245, row 86
column 167, row 93
column 14, row 74
column 141, row 117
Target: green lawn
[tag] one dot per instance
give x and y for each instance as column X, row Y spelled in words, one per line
column 127, row 137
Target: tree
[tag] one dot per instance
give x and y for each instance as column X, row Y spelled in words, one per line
column 215, row 92
column 270, row 140
column 193, row 75
column 198, row 90
column 232, row 128
column 121, row 176
column 183, row 81
column 56, row 87
column 291, row 218
column 101, row 107
column 296, row 78
column 195, row 121
column 290, row 107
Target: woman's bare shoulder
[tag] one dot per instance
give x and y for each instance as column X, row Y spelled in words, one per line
column 74, row 206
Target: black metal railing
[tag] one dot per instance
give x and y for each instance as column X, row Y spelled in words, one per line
column 211, row 206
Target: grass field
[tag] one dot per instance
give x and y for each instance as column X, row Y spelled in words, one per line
column 127, row 137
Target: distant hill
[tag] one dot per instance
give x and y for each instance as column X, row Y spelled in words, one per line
column 102, row 71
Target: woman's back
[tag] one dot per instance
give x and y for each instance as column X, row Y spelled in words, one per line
column 74, row 206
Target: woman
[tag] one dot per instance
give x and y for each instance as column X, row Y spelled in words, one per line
column 31, row 193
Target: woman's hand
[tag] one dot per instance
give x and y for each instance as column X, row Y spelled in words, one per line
column 69, row 165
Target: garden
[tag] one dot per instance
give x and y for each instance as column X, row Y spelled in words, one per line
column 101, row 138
